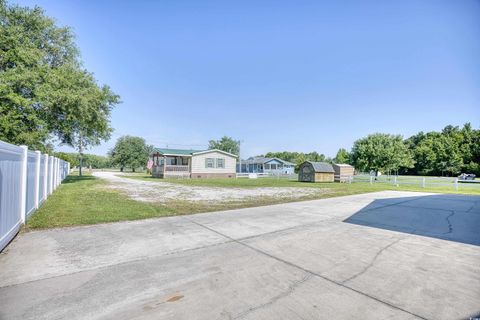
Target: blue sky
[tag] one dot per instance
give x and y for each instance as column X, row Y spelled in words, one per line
column 279, row 75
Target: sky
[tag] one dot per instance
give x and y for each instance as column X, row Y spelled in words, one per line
column 279, row 75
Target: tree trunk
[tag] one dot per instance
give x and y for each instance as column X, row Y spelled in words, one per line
column 121, row 169
column 133, row 169
column 80, row 152
column 80, row 165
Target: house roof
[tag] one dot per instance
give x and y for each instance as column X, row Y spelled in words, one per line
column 187, row 152
column 179, row 152
column 262, row 160
column 321, row 166
column 215, row 150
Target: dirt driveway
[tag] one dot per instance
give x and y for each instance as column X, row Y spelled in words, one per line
column 385, row 255
column 160, row 191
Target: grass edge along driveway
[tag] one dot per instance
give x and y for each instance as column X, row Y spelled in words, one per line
column 87, row 200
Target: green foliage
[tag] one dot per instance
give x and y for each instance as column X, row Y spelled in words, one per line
column 298, row 157
column 89, row 160
column 448, row 152
column 69, row 157
column 226, row 144
column 131, row 152
column 44, row 91
column 381, row 152
column 343, row 156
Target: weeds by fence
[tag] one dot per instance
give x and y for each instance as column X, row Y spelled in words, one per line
column 27, row 178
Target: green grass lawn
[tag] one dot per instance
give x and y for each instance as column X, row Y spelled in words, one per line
column 343, row 188
column 87, row 200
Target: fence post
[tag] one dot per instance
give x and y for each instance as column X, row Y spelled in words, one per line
column 371, row 179
column 36, row 198
column 52, row 165
column 59, row 174
column 456, row 184
column 55, row 171
column 50, row 175
column 423, row 182
column 23, row 183
column 59, row 180
column 45, row 178
column 395, row 180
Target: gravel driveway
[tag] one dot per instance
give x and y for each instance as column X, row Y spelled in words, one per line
column 160, row 191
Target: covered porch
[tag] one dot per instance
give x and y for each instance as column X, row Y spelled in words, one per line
column 170, row 166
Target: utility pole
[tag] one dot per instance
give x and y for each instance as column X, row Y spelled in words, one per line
column 239, row 157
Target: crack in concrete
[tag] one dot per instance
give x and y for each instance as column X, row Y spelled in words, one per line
column 291, row 288
column 447, row 218
column 372, row 262
column 291, row 264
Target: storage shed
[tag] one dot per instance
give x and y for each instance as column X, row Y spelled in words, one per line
column 310, row 171
column 343, row 172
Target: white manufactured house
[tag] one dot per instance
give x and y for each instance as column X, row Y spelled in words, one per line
column 180, row 163
column 273, row 166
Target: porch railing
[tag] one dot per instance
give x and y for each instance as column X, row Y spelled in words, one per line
column 172, row 168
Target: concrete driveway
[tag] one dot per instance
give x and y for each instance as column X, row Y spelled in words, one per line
column 387, row 255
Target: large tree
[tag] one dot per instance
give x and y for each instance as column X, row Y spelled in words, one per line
column 437, row 154
column 381, row 152
column 72, row 95
column 131, row 152
column 45, row 94
column 226, row 144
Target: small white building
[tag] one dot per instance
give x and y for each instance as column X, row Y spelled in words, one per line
column 196, row 164
column 274, row 166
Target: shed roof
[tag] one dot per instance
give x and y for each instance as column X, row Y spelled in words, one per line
column 343, row 165
column 321, row 166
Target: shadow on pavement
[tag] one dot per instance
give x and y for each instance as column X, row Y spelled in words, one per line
column 447, row 217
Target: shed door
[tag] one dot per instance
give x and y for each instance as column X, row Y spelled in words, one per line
column 307, row 174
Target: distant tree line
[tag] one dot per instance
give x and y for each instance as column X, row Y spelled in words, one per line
column 298, row 157
column 448, row 152
column 89, row 160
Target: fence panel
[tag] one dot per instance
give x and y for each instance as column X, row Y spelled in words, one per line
column 451, row 183
column 31, row 168
column 50, row 175
column 10, row 191
column 26, row 180
column 41, row 182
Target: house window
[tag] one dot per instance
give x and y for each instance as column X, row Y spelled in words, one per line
column 220, row 163
column 267, row 166
column 273, row 166
column 209, row 163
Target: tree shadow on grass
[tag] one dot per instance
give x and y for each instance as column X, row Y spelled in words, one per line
column 74, row 179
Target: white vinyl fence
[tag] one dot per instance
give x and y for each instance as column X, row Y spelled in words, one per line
column 27, row 178
column 425, row 182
